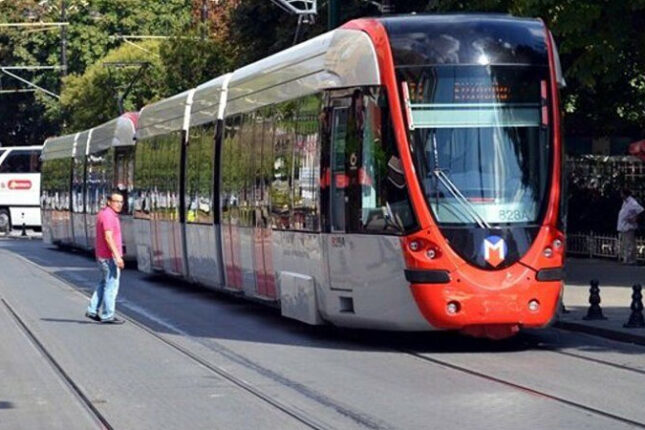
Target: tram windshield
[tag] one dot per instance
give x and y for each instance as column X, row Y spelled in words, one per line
column 480, row 140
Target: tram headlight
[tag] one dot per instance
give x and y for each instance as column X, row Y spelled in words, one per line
column 548, row 252
column 431, row 254
column 453, row 307
column 415, row 245
column 557, row 244
column 534, row 305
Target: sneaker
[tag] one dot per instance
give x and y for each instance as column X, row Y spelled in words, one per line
column 93, row 317
column 113, row 320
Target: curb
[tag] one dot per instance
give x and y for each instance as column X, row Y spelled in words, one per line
column 21, row 237
column 603, row 332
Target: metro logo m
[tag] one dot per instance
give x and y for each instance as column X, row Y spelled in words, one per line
column 494, row 250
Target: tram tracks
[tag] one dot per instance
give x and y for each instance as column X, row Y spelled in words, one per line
column 527, row 389
column 536, row 344
column 59, row 370
column 295, row 413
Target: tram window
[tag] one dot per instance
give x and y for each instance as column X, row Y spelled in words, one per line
column 109, row 175
column 229, row 195
column 256, row 188
column 199, row 181
column 266, row 176
column 23, row 161
column 385, row 205
column 285, row 129
column 91, row 184
column 306, row 167
column 124, row 159
column 192, row 173
column 78, row 185
column 262, row 154
column 245, row 163
column 337, row 178
column 368, row 192
column 141, row 190
column 154, row 149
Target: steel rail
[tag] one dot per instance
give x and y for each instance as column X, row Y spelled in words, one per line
column 524, row 388
column 292, row 412
column 84, row 400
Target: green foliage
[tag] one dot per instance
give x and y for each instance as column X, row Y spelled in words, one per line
column 23, row 122
column 595, row 182
column 91, row 98
column 189, row 59
column 28, row 118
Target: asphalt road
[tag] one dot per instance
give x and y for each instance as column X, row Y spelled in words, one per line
column 193, row 358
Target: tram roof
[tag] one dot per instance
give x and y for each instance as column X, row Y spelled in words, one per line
column 58, row 147
column 117, row 132
column 207, row 100
column 337, row 59
column 164, row 116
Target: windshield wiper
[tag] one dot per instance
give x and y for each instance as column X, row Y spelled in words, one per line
column 452, row 189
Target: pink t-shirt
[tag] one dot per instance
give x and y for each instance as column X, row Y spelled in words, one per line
column 107, row 220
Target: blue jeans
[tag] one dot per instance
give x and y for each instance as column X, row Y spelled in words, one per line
column 105, row 294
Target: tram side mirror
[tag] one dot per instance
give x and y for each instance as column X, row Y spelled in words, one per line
column 395, row 172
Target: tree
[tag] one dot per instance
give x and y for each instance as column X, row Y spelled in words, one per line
column 91, row 98
column 190, row 60
column 27, row 118
column 23, row 122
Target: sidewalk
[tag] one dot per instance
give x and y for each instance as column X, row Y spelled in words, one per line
column 616, row 282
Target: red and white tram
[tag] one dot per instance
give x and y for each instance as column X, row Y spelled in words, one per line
column 399, row 173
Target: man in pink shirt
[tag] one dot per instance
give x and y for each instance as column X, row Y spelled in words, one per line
column 109, row 254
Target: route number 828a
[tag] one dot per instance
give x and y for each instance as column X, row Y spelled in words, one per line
column 516, row 215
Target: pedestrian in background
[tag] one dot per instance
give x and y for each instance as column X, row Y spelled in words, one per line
column 109, row 254
column 627, row 225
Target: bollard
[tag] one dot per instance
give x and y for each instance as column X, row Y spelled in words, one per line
column 594, row 312
column 636, row 317
column 24, row 232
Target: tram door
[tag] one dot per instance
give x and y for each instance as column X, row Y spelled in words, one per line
column 263, row 169
column 345, row 245
column 335, row 245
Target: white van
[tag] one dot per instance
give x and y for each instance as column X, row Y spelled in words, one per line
column 19, row 187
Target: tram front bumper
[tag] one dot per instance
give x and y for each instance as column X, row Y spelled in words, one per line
column 457, row 305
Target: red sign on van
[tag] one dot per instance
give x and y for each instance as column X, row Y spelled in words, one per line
column 19, row 184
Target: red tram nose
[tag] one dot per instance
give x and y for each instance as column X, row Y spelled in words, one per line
column 494, row 309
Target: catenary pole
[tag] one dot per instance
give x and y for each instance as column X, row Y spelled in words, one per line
column 333, row 14
column 63, row 37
